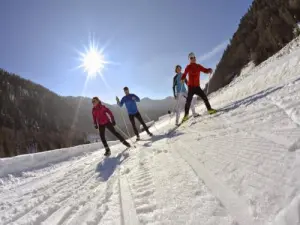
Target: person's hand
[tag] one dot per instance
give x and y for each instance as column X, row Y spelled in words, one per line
column 117, row 99
column 96, row 126
column 133, row 98
column 113, row 123
column 210, row 70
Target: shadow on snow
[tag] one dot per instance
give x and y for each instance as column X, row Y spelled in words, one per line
column 107, row 167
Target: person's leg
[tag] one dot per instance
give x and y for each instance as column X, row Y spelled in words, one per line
column 201, row 93
column 193, row 103
column 189, row 99
column 181, row 100
column 131, row 118
column 177, row 109
column 102, row 136
column 111, row 128
column 140, row 119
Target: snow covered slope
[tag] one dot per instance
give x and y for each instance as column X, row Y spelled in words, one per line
column 239, row 166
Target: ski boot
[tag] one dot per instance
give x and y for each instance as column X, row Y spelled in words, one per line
column 126, row 144
column 211, row 111
column 185, row 118
column 196, row 115
column 107, row 151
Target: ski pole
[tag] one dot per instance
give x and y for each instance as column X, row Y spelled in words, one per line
column 124, row 121
column 150, row 121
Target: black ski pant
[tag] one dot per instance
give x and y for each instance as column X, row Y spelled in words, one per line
column 140, row 119
column 195, row 91
column 111, row 128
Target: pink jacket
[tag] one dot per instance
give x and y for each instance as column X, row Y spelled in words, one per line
column 102, row 115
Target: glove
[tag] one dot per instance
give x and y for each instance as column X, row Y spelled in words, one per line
column 210, row 70
column 113, row 123
column 96, row 127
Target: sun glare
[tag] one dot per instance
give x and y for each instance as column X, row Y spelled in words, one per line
column 93, row 61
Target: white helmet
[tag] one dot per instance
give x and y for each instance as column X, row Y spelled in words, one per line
column 192, row 54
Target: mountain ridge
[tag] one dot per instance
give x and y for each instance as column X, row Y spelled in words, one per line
column 32, row 114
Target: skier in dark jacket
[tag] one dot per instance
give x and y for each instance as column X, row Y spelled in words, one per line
column 103, row 118
column 130, row 102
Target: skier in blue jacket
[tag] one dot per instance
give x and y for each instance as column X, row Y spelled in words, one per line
column 130, row 102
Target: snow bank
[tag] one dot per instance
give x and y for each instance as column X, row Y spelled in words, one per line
column 27, row 162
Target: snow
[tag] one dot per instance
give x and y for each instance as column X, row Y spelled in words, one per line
column 26, row 162
column 239, row 166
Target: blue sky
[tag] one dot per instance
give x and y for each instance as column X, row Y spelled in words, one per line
column 145, row 39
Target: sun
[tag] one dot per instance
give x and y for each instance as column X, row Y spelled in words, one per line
column 93, row 61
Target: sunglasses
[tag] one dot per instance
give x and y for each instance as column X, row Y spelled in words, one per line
column 94, row 101
column 193, row 58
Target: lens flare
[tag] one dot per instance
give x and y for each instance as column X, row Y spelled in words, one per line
column 93, row 60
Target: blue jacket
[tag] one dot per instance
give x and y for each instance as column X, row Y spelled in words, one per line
column 178, row 85
column 130, row 103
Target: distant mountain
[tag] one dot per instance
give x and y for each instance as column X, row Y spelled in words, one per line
column 266, row 28
column 32, row 115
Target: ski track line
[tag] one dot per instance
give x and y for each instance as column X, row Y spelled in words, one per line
column 137, row 200
column 63, row 176
column 49, row 197
column 63, row 208
column 128, row 211
column 88, row 203
column 236, row 205
column 68, row 192
column 71, row 169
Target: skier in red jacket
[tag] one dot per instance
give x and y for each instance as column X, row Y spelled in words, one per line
column 103, row 118
column 193, row 70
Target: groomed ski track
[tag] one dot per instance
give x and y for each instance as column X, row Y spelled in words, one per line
column 239, row 166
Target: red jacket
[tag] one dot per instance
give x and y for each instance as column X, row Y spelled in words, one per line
column 102, row 115
column 193, row 70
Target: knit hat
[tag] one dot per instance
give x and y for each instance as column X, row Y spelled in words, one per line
column 191, row 55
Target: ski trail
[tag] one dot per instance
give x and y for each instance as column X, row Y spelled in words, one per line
column 129, row 215
column 94, row 204
column 142, row 188
column 44, row 182
column 236, row 205
column 43, row 204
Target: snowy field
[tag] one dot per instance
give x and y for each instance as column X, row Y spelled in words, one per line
column 239, row 166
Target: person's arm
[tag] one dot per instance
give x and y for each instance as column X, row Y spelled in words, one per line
column 121, row 103
column 186, row 71
column 174, row 86
column 94, row 118
column 107, row 110
column 204, row 70
column 136, row 98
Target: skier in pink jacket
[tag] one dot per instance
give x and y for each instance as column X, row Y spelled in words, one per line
column 103, row 118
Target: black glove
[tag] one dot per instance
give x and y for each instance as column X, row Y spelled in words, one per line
column 113, row 123
column 96, row 126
